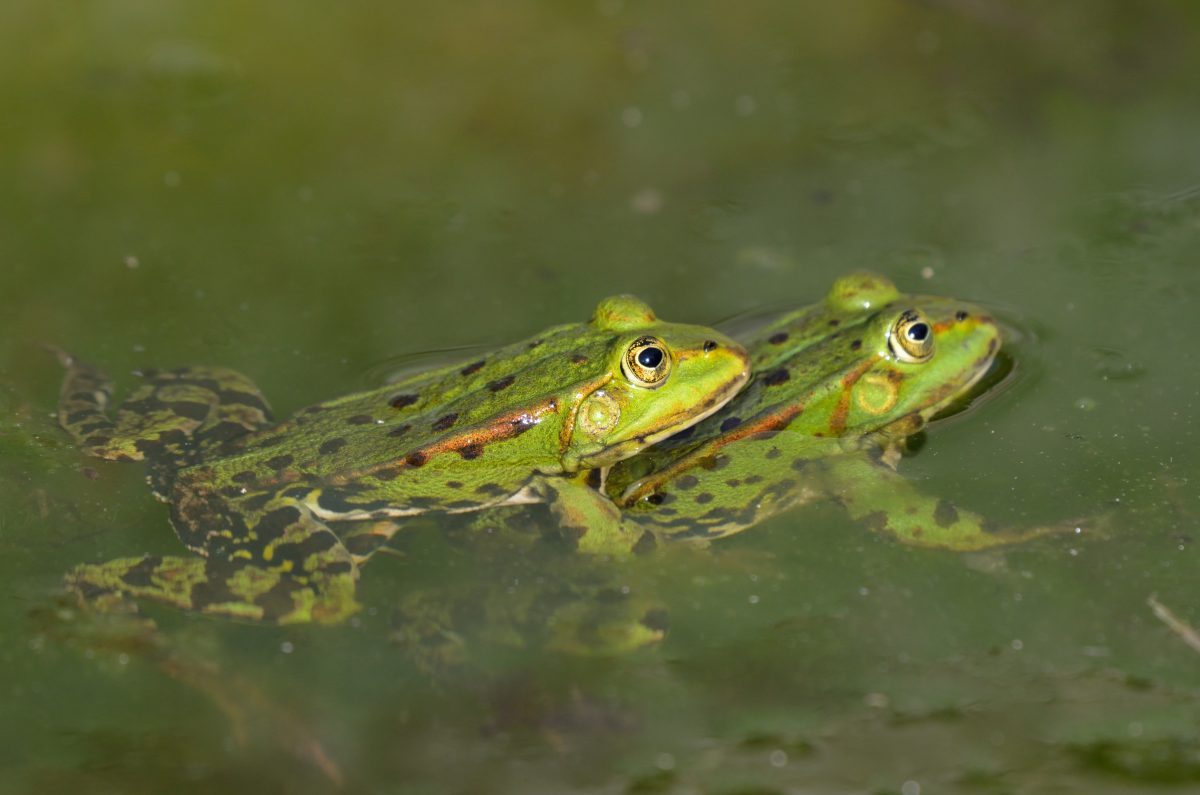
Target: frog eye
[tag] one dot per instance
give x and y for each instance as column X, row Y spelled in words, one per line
column 910, row 338
column 647, row 362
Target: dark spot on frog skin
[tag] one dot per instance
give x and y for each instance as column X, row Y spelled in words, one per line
column 331, row 446
column 424, row 503
column 461, row 505
column 231, row 396
column 855, row 345
column 961, row 315
column 876, row 520
column 501, row 383
column 341, row 500
column 714, row 462
column 773, row 453
column 733, row 483
column 280, row 461
column 403, row 401
column 945, row 514
column 245, row 476
column 255, row 502
column 778, row 339
column 656, row 618
column 399, row 430
column 444, row 422
column 274, row 523
column 363, row 545
column 578, row 358
column 645, row 544
column 730, row 423
column 454, row 484
column 141, row 574
column 280, row 598
column 389, row 472
column 473, row 367
column 360, row 419
column 687, row 482
column 214, row 588
column 592, row 479
column 750, row 481
column 491, row 489
column 776, row 377
column 534, row 344
column 189, row 409
column 297, row 492
column 835, row 322
column 704, row 498
column 683, row 435
column 416, row 459
column 471, row 451
column 799, row 464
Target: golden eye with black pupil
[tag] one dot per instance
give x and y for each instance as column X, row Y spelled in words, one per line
column 646, row 363
column 910, row 339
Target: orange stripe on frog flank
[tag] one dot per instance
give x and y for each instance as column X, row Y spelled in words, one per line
column 469, row 444
column 707, row 452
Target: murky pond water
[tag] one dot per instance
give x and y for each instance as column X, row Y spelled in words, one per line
column 304, row 193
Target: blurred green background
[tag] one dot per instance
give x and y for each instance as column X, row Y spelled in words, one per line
column 303, row 191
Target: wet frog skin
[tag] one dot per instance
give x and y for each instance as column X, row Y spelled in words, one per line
column 258, row 502
column 837, row 388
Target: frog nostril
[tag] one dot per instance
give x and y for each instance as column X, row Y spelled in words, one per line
column 709, row 346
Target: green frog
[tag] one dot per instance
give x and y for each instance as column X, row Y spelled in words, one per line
column 259, row 502
column 838, row 387
column 837, row 390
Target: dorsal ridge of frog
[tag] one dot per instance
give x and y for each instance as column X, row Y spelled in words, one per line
column 623, row 313
column 861, row 291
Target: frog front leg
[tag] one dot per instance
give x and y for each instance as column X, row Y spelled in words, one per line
column 887, row 502
column 588, row 515
column 283, row 566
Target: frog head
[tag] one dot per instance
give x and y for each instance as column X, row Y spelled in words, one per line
column 657, row 379
column 903, row 359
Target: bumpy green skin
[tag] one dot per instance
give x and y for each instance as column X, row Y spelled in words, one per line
column 257, row 502
column 823, row 417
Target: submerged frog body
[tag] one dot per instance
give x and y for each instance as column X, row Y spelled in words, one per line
column 837, row 388
column 258, row 502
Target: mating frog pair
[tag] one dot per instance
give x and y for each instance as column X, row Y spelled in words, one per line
column 626, row 426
